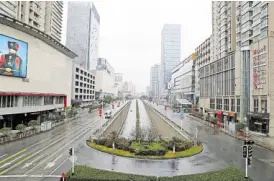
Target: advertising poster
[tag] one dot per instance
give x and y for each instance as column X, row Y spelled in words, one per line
column 13, row 57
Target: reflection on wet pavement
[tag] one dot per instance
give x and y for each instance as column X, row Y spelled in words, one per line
column 203, row 162
column 144, row 119
column 130, row 122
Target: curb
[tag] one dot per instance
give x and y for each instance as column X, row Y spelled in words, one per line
column 234, row 136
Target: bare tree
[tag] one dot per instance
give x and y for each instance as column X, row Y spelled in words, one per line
column 152, row 134
column 133, row 134
column 143, row 134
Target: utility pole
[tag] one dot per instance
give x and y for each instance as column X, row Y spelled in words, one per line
column 73, row 159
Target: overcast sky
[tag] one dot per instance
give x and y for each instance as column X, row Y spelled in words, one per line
column 130, row 32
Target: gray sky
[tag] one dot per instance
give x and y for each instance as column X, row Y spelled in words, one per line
column 130, row 32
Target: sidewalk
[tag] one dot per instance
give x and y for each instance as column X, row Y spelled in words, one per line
column 262, row 141
column 265, row 142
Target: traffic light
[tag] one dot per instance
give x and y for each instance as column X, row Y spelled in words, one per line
column 70, row 151
column 244, row 151
column 248, row 142
column 249, row 151
column 249, row 161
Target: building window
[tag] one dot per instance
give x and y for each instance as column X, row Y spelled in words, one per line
column 256, row 105
column 31, row 101
column 8, row 101
column 226, row 104
column 264, row 105
column 212, row 103
column 238, row 105
column 219, row 104
column 233, row 105
column 59, row 100
column 48, row 100
column 233, row 82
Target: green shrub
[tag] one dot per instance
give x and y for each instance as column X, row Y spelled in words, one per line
column 240, row 126
column 123, row 144
column 85, row 173
column 33, row 123
column 20, row 127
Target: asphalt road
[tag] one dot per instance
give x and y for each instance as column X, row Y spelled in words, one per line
column 45, row 156
column 130, row 122
column 226, row 148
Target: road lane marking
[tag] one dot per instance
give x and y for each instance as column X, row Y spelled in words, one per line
column 12, row 156
column 51, row 164
column 8, row 163
column 3, row 155
column 24, row 150
column 26, row 158
column 35, row 176
column 57, row 151
column 30, row 163
column 59, row 166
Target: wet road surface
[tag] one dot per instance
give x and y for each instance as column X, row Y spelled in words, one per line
column 130, row 122
column 226, row 148
column 144, row 119
column 47, row 153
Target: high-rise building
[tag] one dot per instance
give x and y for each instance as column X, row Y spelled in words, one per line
column 154, row 80
column 46, row 16
column 254, row 64
column 83, row 33
column 53, row 20
column 170, row 53
column 217, row 68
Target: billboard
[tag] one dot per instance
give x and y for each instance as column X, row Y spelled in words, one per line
column 13, row 57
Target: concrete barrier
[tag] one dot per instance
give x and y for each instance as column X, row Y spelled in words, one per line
column 115, row 123
column 165, row 126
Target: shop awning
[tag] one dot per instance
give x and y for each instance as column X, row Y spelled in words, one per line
column 183, row 101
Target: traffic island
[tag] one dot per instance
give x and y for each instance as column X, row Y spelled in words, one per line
column 145, row 149
column 91, row 174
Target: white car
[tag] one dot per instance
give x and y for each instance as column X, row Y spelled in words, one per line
column 108, row 114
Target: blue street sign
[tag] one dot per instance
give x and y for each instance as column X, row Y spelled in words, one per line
column 182, row 113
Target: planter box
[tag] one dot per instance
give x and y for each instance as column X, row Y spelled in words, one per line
column 240, row 133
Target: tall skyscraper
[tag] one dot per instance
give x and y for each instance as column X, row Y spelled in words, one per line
column 83, row 33
column 46, row 16
column 170, row 52
column 53, row 20
column 155, row 80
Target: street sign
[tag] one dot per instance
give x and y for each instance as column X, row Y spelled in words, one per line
column 245, row 151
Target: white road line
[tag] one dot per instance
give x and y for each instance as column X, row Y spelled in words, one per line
column 59, row 166
column 35, row 176
column 8, row 163
column 30, row 163
column 3, row 155
column 51, row 164
column 58, row 150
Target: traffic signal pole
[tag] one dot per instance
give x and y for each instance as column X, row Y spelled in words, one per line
column 73, row 160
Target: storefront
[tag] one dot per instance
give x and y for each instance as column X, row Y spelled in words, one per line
column 259, row 122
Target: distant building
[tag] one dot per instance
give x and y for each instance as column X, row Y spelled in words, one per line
column 83, row 33
column 155, row 80
column 170, row 53
column 83, row 85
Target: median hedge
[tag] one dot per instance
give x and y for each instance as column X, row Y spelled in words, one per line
column 85, row 173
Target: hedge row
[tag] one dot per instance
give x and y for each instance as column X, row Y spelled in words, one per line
column 85, row 173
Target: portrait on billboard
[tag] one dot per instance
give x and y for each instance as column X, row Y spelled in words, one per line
column 13, row 57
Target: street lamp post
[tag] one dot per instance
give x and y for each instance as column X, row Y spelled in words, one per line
column 101, row 93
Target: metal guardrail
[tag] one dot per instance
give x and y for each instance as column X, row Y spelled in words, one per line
column 110, row 121
column 171, row 124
